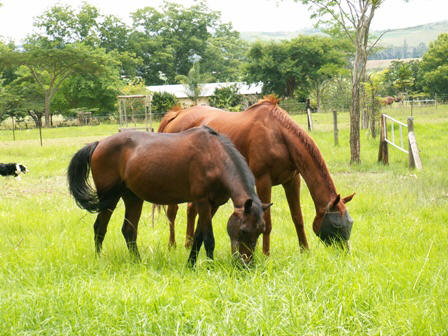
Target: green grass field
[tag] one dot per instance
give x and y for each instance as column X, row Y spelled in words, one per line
column 394, row 281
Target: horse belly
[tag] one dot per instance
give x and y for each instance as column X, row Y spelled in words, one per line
column 162, row 185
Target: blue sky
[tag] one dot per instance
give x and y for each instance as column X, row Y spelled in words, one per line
column 16, row 16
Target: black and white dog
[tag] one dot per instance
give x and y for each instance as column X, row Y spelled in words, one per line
column 12, row 169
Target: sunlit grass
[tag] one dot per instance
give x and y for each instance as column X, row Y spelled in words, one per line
column 392, row 283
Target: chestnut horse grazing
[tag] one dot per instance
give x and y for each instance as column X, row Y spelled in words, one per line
column 197, row 165
column 278, row 151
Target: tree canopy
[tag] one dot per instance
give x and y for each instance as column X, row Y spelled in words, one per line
column 172, row 39
column 295, row 67
column 434, row 66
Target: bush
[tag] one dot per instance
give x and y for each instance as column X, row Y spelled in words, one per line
column 162, row 102
column 227, row 98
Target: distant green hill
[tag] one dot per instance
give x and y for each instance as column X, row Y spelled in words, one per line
column 412, row 35
column 276, row 36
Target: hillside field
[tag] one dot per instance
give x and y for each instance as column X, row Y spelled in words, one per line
column 393, row 282
column 413, row 36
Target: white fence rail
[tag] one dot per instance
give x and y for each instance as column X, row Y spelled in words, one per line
column 391, row 140
column 413, row 152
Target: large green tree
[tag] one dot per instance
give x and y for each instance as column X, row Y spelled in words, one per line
column 63, row 25
column 353, row 18
column 51, row 65
column 301, row 64
column 268, row 63
column 434, row 66
column 171, row 39
column 402, row 78
column 22, row 96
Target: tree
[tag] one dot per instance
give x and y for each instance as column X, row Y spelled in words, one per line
column 225, row 55
column 162, row 102
column 24, row 96
column 320, row 59
column 171, row 39
column 193, row 82
column 353, row 17
column 267, row 62
column 227, row 98
column 50, row 65
column 62, row 25
column 94, row 92
column 434, row 66
column 301, row 64
column 372, row 86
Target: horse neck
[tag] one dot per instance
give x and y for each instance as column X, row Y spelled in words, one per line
column 311, row 166
column 239, row 186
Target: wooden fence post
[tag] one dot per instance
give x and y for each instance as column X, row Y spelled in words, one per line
column 308, row 114
column 414, row 156
column 13, row 129
column 40, row 131
column 335, row 128
column 383, row 154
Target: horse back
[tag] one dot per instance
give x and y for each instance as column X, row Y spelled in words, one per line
column 255, row 133
column 160, row 168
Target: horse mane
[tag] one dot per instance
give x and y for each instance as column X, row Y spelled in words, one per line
column 282, row 117
column 239, row 161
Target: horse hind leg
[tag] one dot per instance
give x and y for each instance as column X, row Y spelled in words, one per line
column 100, row 226
column 171, row 214
column 133, row 210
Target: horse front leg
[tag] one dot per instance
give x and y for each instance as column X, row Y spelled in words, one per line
column 203, row 233
column 171, row 214
column 264, row 186
column 292, row 191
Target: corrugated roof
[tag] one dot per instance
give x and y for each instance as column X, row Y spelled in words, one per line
column 207, row 89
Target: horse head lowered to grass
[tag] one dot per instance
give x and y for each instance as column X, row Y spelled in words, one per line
column 278, row 151
column 198, row 165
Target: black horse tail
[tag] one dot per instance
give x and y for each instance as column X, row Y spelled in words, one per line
column 78, row 174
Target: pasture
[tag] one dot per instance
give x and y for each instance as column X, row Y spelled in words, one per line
column 392, row 283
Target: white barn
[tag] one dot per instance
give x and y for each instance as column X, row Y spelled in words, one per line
column 251, row 91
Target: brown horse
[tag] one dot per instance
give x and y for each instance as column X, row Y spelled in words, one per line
column 277, row 151
column 197, row 165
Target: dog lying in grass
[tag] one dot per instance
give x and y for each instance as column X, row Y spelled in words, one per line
column 12, row 169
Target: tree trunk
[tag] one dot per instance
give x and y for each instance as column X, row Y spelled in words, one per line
column 358, row 75
column 47, row 110
column 355, row 144
column 318, row 97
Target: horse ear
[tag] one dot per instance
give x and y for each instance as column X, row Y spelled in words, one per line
column 247, row 205
column 266, row 206
column 348, row 198
column 334, row 202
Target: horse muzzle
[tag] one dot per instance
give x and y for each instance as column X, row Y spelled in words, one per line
column 336, row 229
